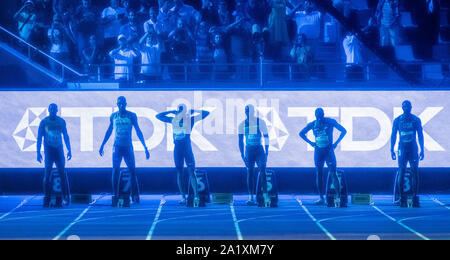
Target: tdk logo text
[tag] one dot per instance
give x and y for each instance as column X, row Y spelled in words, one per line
column 223, row 123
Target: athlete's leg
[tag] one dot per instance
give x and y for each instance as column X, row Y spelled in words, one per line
column 402, row 164
column 190, row 163
column 178, row 156
column 60, row 162
column 47, row 173
column 250, row 160
column 319, row 162
column 117, row 160
column 332, row 168
column 130, row 161
column 414, row 163
column 261, row 162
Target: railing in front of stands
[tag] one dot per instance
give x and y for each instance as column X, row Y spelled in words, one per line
column 259, row 74
column 37, row 55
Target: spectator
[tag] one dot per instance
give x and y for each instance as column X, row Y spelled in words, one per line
column 224, row 14
column 59, row 49
column 204, row 54
column 308, row 22
column 303, row 56
column 26, row 18
column 180, row 41
column 187, row 13
column 64, row 8
column 153, row 21
column 92, row 57
column 277, row 24
column 151, row 49
column 209, row 13
column 142, row 14
column 85, row 23
column 258, row 11
column 352, row 47
column 428, row 16
column 388, row 18
column 131, row 30
column 220, row 58
column 111, row 20
column 123, row 60
column 239, row 34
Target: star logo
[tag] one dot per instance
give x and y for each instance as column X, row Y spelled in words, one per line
column 278, row 134
column 26, row 132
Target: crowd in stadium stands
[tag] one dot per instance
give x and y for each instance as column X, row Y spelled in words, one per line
column 87, row 33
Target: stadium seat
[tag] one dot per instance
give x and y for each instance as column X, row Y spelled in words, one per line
column 406, row 20
column 445, row 34
column 441, row 52
column 444, row 18
column 432, row 71
column 405, row 53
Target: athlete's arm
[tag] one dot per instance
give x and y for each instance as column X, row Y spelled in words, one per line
column 343, row 133
column 140, row 135
column 394, row 139
column 304, row 132
column 202, row 114
column 107, row 136
column 39, row 141
column 67, row 141
column 265, row 132
column 421, row 139
column 164, row 116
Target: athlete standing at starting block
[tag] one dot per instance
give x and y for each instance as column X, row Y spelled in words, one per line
column 52, row 128
column 123, row 122
column 183, row 122
column 324, row 148
column 409, row 127
column 253, row 129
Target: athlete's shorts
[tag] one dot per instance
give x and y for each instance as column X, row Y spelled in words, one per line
column 183, row 153
column 54, row 155
column 125, row 152
column 255, row 154
column 408, row 153
column 325, row 155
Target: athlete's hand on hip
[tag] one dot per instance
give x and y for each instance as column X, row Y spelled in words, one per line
column 101, row 152
column 393, row 155
column 69, row 156
column 313, row 144
column 335, row 146
column 147, row 154
column 39, row 157
column 422, row 155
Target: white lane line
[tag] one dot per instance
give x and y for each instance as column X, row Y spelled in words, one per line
column 156, row 220
column 440, row 203
column 316, row 221
column 400, row 222
column 236, row 222
column 18, row 207
column 77, row 219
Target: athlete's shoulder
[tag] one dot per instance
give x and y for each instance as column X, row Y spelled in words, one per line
column 331, row 121
column 131, row 114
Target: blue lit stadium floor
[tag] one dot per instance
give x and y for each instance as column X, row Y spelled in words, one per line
column 22, row 217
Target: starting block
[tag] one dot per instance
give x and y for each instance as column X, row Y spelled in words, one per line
column 222, row 198
column 409, row 201
column 202, row 189
column 56, row 193
column 362, row 199
column 272, row 190
column 337, row 200
column 123, row 199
